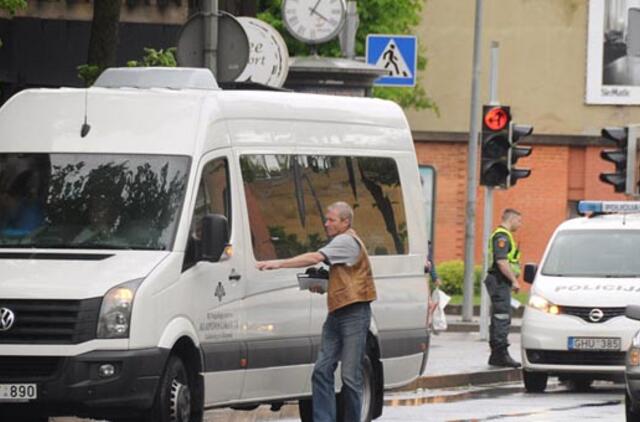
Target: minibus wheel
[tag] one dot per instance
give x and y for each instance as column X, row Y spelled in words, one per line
column 174, row 399
column 305, row 406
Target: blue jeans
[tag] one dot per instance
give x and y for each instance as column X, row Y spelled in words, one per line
column 344, row 338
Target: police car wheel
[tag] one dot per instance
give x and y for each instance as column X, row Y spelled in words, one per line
column 631, row 411
column 580, row 384
column 535, row 382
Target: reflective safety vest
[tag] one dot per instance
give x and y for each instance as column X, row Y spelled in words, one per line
column 514, row 253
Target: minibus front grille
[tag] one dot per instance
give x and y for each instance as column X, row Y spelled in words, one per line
column 26, row 368
column 584, row 312
column 50, row 321
column 564, row 357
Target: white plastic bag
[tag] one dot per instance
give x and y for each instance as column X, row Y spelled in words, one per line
column 439, row 317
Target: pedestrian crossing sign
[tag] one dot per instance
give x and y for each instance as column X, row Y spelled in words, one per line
column 398, row 54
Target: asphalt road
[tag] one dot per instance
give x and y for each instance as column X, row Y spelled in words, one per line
column 503, row 403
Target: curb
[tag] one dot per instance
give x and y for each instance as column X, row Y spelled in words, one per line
column 470, row 327
column 457, row 310
column 461, row 380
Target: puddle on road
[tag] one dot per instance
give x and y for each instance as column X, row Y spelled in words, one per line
column 542, row 412
column 453, row 396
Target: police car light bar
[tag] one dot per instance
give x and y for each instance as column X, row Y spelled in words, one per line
column 609, row 206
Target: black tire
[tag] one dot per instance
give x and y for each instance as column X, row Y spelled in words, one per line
column 174, row 400
column 368, row 392
column 631, row 412
column 535, row 382
column 20, row 416
column 305, row 406
column 581, row 384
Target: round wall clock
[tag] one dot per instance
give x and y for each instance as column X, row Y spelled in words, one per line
column 314, row 21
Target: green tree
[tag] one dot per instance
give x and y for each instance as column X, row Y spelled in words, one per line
column 12, row 6
column 103, row 43
column 376, row 17
column 158, row 58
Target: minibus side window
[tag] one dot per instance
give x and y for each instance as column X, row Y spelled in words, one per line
column 287, row 196
column 214, row 197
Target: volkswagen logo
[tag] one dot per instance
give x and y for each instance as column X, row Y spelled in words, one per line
column 7, row 318
column 596, row 315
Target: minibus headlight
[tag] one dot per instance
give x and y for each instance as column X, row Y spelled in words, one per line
column 114, row 320
column 542, row 304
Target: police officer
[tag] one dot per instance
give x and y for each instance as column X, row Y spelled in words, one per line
column 502, row 277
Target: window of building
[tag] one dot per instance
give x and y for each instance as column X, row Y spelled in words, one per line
column 287, row 196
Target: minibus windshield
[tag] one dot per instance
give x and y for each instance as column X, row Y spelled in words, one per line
column 594, row 253
column 90, row 201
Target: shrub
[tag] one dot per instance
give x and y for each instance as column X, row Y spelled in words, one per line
column 452, row 275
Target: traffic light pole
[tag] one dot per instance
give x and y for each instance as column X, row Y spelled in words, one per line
column 472, row 159
column 210, row 34
column 488, row 204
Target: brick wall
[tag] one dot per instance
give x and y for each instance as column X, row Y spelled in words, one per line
column 560, row 173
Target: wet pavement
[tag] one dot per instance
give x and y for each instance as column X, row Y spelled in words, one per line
column 457, row 359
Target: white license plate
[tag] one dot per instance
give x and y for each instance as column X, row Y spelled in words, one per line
column 18, row 392
column 594, row 343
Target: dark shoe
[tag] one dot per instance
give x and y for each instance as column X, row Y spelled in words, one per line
column 503, row 359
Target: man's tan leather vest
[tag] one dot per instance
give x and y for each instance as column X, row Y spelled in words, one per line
column 351, row 283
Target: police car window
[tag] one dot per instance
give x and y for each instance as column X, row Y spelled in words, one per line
column 594, row 253
column 287, row 196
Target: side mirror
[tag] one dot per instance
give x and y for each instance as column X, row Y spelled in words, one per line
column 632, row 312
column 530, row 271
column 215, row 236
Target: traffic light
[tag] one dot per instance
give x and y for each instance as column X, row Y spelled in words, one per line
column 515, row 133
column 617, row 156
column 626, row 178
column 494, row 170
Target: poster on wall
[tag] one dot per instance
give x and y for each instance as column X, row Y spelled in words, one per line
column 613, row 52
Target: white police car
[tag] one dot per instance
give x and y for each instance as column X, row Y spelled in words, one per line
column 574, row 325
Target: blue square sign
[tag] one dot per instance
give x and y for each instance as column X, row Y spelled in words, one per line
column 396, row 53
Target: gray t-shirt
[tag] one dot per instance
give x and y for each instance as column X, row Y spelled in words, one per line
column 342, row 249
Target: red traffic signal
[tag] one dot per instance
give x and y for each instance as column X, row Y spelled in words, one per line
column 496, row 118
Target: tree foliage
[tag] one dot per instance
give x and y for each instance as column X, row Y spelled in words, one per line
column 12, row 6
column 376, row 17
column 157, row 58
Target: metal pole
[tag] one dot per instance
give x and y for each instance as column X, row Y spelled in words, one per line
column 348, row 33
column 210, row 12
column 488, row 203
column 472, row 156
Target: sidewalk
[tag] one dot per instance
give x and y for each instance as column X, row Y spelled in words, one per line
column 457, row 357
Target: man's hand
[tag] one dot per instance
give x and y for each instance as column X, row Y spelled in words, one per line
column 427, row 266
column 316, row 288
column 515, row 286
column 269, row 265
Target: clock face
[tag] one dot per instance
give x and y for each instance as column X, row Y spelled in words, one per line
column 313, row 21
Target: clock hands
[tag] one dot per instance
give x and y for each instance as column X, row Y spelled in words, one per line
column 313, row 12
column 313, row 9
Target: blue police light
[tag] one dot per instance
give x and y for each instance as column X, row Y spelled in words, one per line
column 609, row 206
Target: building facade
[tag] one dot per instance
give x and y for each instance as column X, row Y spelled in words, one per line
column 543, row 73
